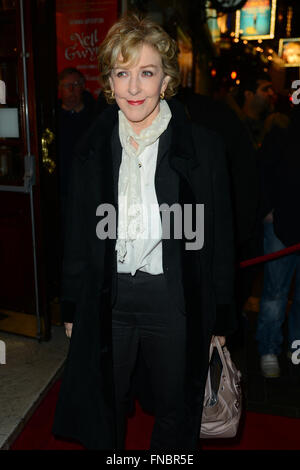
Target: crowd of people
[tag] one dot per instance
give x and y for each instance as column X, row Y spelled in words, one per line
column 147, row 304
column 269, row 160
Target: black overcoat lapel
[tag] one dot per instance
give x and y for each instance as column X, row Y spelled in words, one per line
column 116, row 150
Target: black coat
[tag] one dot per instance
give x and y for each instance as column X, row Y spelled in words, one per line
column 85, row 408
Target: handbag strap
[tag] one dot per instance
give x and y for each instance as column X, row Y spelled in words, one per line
column 215, row 342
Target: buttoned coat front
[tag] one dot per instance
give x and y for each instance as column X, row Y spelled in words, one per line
column 191, row 169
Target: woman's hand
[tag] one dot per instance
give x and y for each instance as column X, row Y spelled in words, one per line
column 68, row 329
column 222, row 340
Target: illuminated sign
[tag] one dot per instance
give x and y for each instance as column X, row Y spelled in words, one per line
column 289, row 51
column 212, row 23
column 256, row 20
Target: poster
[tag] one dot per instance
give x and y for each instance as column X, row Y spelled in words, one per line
column 256, row 20
column 81, row 26
column 289, row 51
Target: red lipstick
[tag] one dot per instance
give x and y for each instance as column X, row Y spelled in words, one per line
column 135, row 103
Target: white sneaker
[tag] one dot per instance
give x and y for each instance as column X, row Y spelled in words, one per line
column 269, row 366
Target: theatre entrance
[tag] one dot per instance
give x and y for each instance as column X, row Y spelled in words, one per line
column 29, row 231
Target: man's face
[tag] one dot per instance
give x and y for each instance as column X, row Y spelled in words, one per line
column 264, row 97
column 70, row 90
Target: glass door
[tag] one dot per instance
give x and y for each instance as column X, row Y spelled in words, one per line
column 23, row 307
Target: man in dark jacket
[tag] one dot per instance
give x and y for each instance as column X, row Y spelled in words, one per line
column 280, row 169
column 76, row 111
column 256, row 100
column 244, row 178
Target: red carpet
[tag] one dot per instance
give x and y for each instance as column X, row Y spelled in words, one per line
column 258, row 431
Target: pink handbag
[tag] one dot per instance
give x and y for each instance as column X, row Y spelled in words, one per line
column 223, row 398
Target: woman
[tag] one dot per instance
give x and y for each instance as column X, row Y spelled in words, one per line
column 151, row 288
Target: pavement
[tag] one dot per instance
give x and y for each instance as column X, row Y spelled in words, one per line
column 30, row 369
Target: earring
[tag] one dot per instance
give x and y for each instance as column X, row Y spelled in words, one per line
column 112, row 94
column 162, row 95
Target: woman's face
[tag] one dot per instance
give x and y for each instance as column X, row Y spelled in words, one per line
column 137, row 87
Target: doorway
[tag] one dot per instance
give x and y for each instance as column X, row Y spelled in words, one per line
column 27, row 38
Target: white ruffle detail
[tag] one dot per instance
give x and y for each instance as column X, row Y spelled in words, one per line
column 130, row 226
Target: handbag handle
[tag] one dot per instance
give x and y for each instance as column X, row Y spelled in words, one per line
column 216, row 343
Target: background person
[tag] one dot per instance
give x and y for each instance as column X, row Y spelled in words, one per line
column 280, row 169
column 256, row 99
column 244, row 182
column 76, row 111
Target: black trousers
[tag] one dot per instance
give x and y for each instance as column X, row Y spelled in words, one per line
column 144, row 322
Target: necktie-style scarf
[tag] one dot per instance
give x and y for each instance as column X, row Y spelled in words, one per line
column 130, row 225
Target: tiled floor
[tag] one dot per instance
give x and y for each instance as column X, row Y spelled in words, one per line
column 30, row 369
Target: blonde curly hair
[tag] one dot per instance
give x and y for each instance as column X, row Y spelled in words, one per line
column 126, row 38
